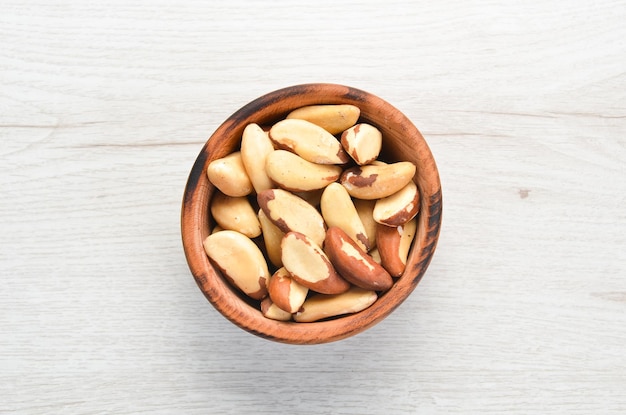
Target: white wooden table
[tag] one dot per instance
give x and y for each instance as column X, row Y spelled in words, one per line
column 103, row 109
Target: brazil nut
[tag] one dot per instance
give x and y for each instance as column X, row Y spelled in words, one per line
column 235, row 213
column 354, row 264
column 229, row 175
column 291, row 213
column 321, row 306
column 255, row 147
column 292, row 172
column 309, row 141
column 394, row 243
column 333, row 118
column 240, row 261
column 362, row 142
column 399, row 208
column 377, row 181
column 286, row 292
column 272, row 236
column 339, row 210
column 365, row 210
column 272, row 311
column 308, row 265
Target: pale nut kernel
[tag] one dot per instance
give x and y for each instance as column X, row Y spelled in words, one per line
column 293, row 173
column 235, row 213
column 320, row 306
column 399, row 208
column 334, row 118
column 286, row 292
column 365, row 210
column 339, row 210
column 377, row 181
column 255, row 147
column 272, row 236
column 309, row 141
column 362, row 142
column 375, row 255
column 229, row 175
column 291, row 213
column 308, row 265
column 272, row 311
column 379, row 163
column 240, row 260
column 394, row 244
column 354, row 264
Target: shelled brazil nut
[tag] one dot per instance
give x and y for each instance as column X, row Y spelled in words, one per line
column 334, row 224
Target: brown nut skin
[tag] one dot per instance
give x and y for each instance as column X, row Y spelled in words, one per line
column 375, row 181
column 309, row 265
column 286, row 292
column 354, row 264
column 399, row 208
column 394, row 244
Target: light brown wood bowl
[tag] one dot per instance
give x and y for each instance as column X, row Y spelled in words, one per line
column 401, row 141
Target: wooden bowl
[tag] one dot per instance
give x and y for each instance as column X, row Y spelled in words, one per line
column 401, row 141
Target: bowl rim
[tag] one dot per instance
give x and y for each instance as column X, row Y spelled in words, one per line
column 195, row 216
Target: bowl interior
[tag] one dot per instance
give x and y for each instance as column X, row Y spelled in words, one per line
column 401, row 141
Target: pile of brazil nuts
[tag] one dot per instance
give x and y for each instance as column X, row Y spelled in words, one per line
column 308, row 221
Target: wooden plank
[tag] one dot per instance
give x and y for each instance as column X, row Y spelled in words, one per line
column 104, row 107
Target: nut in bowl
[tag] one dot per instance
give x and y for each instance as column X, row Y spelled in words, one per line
column 331, row 227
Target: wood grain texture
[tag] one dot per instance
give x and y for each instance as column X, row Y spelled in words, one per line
column 103, row 109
